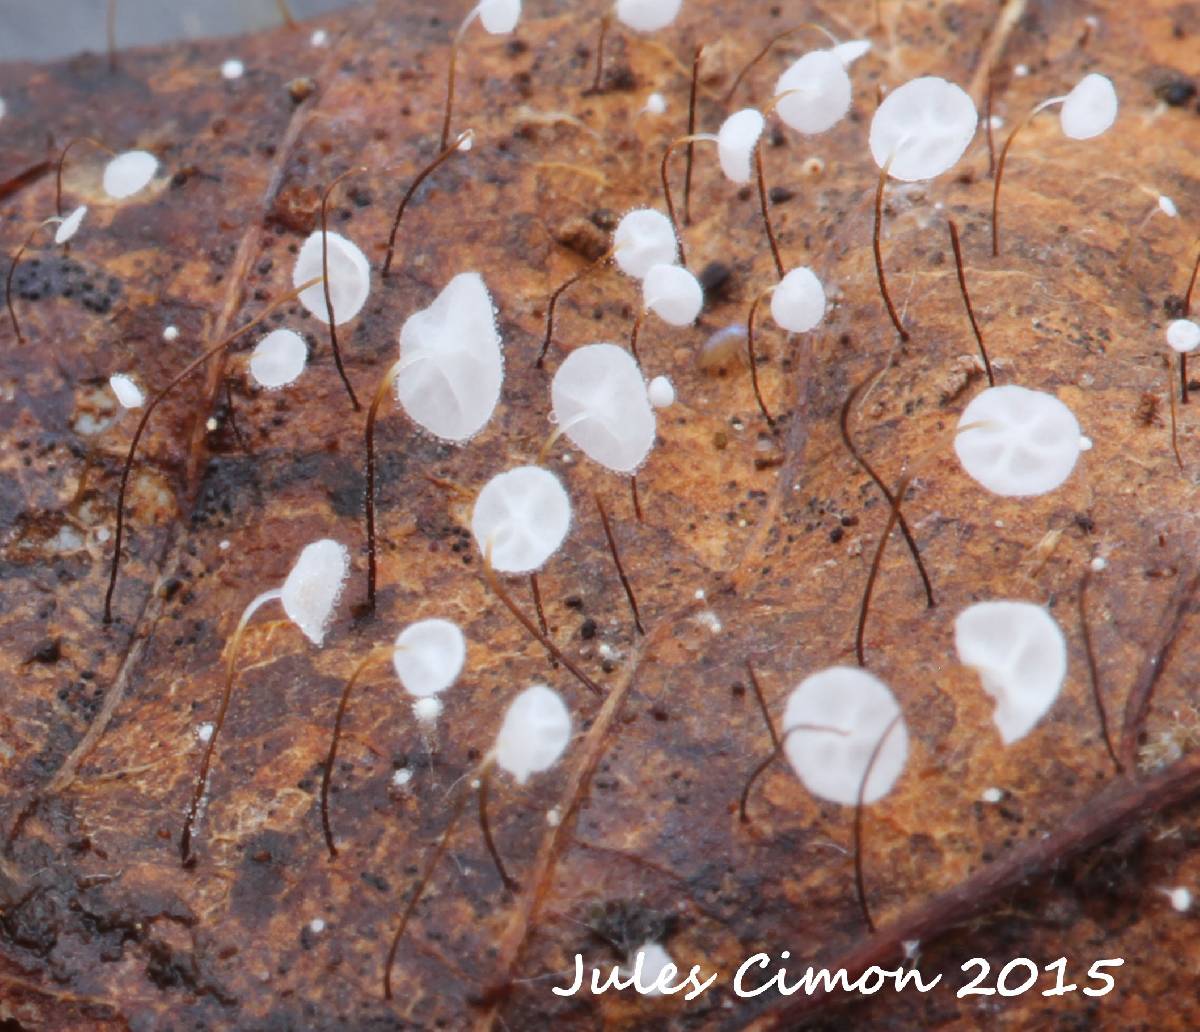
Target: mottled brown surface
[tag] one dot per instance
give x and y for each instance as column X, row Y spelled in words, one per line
column 100, row 928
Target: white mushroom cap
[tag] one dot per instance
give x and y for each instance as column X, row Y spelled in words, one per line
column 279, row 358
column 819, row 92
column 349, row 277
column 452, row 363
column 661, row 392
column 673, row 294
column 313, row 586
column 128, row 173
column 1021, row 657
column 798, row 302
column 427, row 709
column 128, row 393
column 1027, row 442
column 923, row 126
column 654, row 960
column 536, row 729
column 647, row 15
column 1167, row 206
column 643, row 239
column 735, row 143
column 1183, row 335
column 70, row 225
column 429, row 656
column 600, row 403
column 525, row 514
column 499, row 17
column 832, row 766
column 851, row 50
column 1090, row 108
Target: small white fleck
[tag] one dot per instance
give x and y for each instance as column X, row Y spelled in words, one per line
column 1099, row 563
column 661, row 392
column 992, row 795
column 911, row 948
column 699, row 596
column 128, row 393
column 233, row 69
column 428, row 709
column 204, row 732
column 474, row 783
column 3, row 107
column 223, row 544
column 567, row 458
column 402, row 777
column 1085, row 444
column 554, row 817
column 999, row 523
column 656, row 104
column 467, row 141
column 211, row 424
column 1021, row 71
column 102, row 534
column 316, row 925
column 1181, row 899
column 171, row 333
column 319, row 38
column 606, row 651
column 1167, row 206
column 710, row 620
column 1091, row 20
column 996, row 122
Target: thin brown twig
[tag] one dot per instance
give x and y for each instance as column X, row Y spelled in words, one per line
column 536, row 591
column 1187, row 297
column 637, row 499
column 691, row 129
column 743, row 802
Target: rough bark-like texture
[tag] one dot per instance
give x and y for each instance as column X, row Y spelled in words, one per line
column 754, row 545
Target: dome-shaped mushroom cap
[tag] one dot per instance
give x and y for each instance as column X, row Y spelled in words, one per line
column 128, row 173
column 600, row 403
column 1183, row 335
column 832, row 765
column 643, row 239
column 647, row 15
column 924, row 126
column 525, row 514
column 349, row 277
column 818, row 91
column 661, row 392
column 673, row 294
column 536, row 729
column 851, row 50
column 128, row 393
column 1090, row 108
column 1026, row 443
column 1021, row 657
column 278, row 358
column 798, row 302
column 735, row 143
column 429, row 656
column 499, row 17
column 69, row 226
column 452, row 363
column 313, row 586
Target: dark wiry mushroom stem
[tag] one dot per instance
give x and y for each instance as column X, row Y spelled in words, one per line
column 691, row 131
column 412, row 189
column 8, row 281
column 381, row 392
column 987, row 122
column 753, row 359
column 744, row 801
column 285, row 13
column 633, row 335
column 452, row 75
column 883, row 287
column 1000, row 168
column 551, row 307
column 325, row 286
column 485, row 780
column 62, row 157
column 625, row 582
column 536, row 591
column 1187, row 297
column 1171, row 405
column 779, row 37
column 893, row 515
column 852, row 448
column 152, row 404
column 860, row 887
column 666, row 184
column 962, row 286
column 764, row 206
column 637, row 500
column 762, row 704
column 605, row 21
column 1093, row 672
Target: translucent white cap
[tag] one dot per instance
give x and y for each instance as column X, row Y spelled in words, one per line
column 798, row 302
column 1021, row 657
column 128, row 393
column 923, row 126
column 647, row 963
column 499, row 17
column 600, row 403
column 1183, row 335
column 349, row 277
column 536, row 729
column 661, row 392
column 647, row 15
column 1026, row 443
column 429, row 656
column 525, row 514
column 851, row 50
column 643, row 239
column 70, row 225
column 452, row 365
column 673, row 294
column 735, row 143
column 832, row 766
column 818, row 91
column 279, row 358
column 128, row 173
column 313, row 586
column 1090, row 108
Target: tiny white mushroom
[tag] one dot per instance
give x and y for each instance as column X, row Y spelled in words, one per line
column 851, row 50
column 798, row 301
column 735, row 143
column 536, row 730
column 232, row 69
column 70, row 225
column 673, row 294
column 128, row 173
column 646, row 965
column 813, row 94
column 1167, row 206
column 170, row 333
column 313, row 586
column 1017, row 442
column 278, row 359
column 643, row 239
column 428, row 656
column 128, row 393
column 427, row 709
column 831, row 765
column 522, row 516
column 656, row 104
column 1090, row 108
column 661, row 392
column 349, row 277
column 647, row 15
column 319, row 38
column 1180, row 899
column 499, row 17
column 1020, row 655
column 922, row 128
column 1183, row 335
